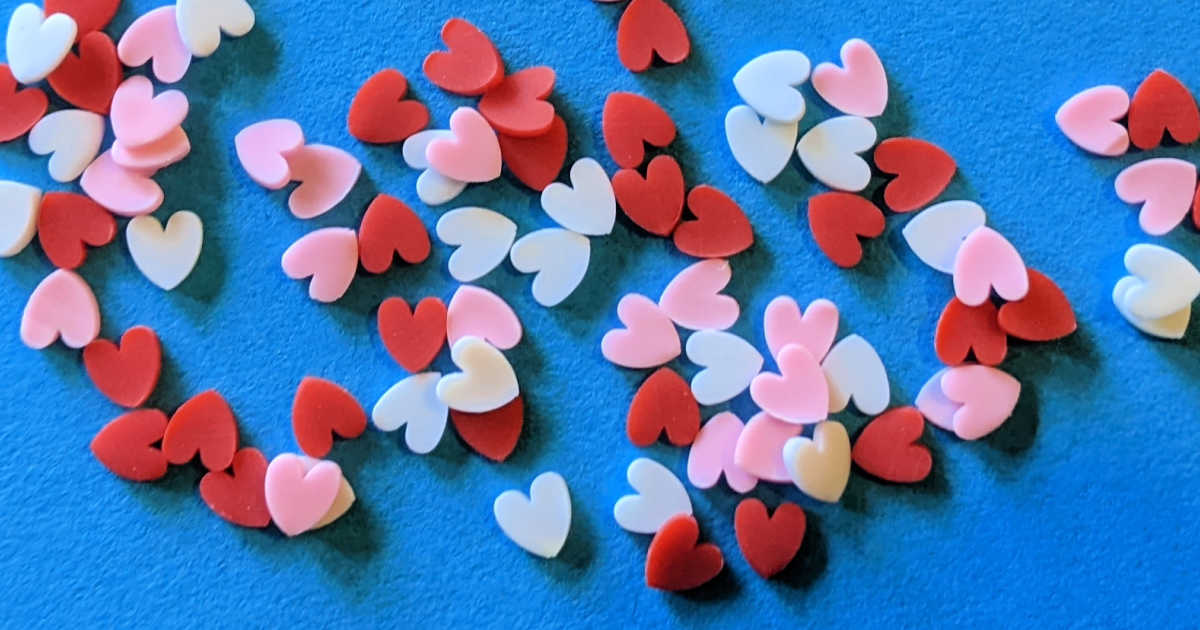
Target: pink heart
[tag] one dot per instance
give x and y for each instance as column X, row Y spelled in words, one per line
column 471, row 154
column 1088, row 120
column 262, row 149
column 759, row 449
column 986, row 260
column 477, row 312
column 649, row 339
column 327, row 173
column 712, row 454
column 988, row 397
column 1166, row 185
column 159, row 154
column 139, row 117
column 330, row 256
column 61, row 305
column 934, row 405
column 861, row 88
column 155, row 35
column 298, row 499
column 123, row 191
column 693, row 299
column 799, row 393
column 815, row 329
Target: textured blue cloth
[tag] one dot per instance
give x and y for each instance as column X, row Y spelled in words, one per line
column 1081, row 511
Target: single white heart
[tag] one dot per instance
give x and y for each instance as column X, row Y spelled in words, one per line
column 483, row 238
column 820, row 466
column 660, row 496
column 1173, row 326
column 729, row 363
column 19, row 205
column 854, row 370
column 72, row 138
column 767, row 83
column 936, row 234
column 165, row 256
column 37, row 44
column 559, row 258
column 201, row 22
column 540, row 522
column 487, row 381
column 1169, row 282
column 830, row 152
column 762, row 148
column 588, row 206
column 413, row 403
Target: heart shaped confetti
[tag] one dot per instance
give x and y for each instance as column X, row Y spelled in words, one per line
column 933, row 404
column 1169, row 281
column 937, row 233
column 988, row 397
column 860, row 88
column 484, row 238
column 768, row 84
column 389, row 227
column 759, row 449
column 67, row 223
column 139, row 117
column 517, row 107
column 1162, row 104
column 675, row 562
column 769, row 542
column 922, row 170
column 413, row 403
column 471, row 67
column 154, row 37
column 493, row 434
column 830, row 152
column 379, row 113
column 471, row 154
column 536, row 162
column 815, row 328
column 799, row 393
column 855, row 371
column 964, row 329
column 240, row 497
column 654, row 202
column 540, row 522
column 327, row 175
column 262, row 149
column 125, row 445
column 838, row 220
column 1164, row 186
column 888, row 449
column 22, row 108
column 36, row 44
column 159, row 154
column 663, row 404
column 203, row 425
column 19, row 205
column 987, row 261
column 720, row 229
column 1089, row 119
column 298, row 497
column 693, row 299
column 90, row 79
column 649, row 338
column 588, row 206
column 201, row 23
column 412, row 337
column 629, row 121
column 166, row 255
column 660, row 496
column 558, row 257
column 125, row 374
column 1044, row 314
column 475, row 311
column 329, row 256
column 124, row 192
column 649, row 28
column 712, row 454
column 61, row 306
column 762, row 148
column 486, row 382
column 320, row 409
column 1173, row 326
column 820, row 466
column 729, row 364
column 89, row 15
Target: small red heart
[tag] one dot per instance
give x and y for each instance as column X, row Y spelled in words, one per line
column 654, row 203
column 205, row 425
column 413, row 339
column 239, row 498
column 320, row 409
column 89, row 80
column 517, row 106
column 493, row 434
column 536, row 162
column 19, row 110
column 471, row 67
column 838, row 219
column 1161, row 103
column 922, row 170
column 769, row 543
column 629, row 121
column 379, row 113
column 963, row 328
column 663, row 403
column 720, row 230
column 89, row 15
column 67, row 222
column 887, row 447
column 674, row 562
column 125, row 445
column 391, row 227
column 1044, row 314
column 126, row 374
column 648, row 27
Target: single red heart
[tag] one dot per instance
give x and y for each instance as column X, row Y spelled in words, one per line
column 493, row 434
column 720, row 230
column 89, row 80
column 241, row 497
column 67, row 222
column 126, row 374
column 1162, row 104
column 648, row 27
column 629, row 121
column 19, row 110
column 413, row 339
column 536, row 162
column 471, row 67
column 838, row 219
column 320, row 409
column 963, row 328
column 1044, row 314
column 89, row 15
column 517, row 106
column 391, row 227
column 664, row 403
column 125, row 445
column 769, row 543
column 379, row 113
column 655, row 202
column 204, row 425
column 674, row 562
column 922, row 170
column 887, row 447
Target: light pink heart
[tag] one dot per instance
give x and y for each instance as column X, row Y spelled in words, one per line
column 860, row 88
column 933, row 404
column 1089, row 120
column 262, row 149
column 155, row 35
column 693, row 298
column 327, row 174
column 649, row 339
column 1165, row 185
column 329, row 256
column 815, row 328
column 712, row 453
column 988, row 397
column 986, row 261
column 139, row 117
column 297, row 497
column 471, row 154
column 476, row 312
column 125, row 192
column 61, row 306
column 799, row 393
column 159, row 154
column 759, row 449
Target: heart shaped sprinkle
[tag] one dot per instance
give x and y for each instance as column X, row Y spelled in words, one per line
column 660, row 496
column 768, row 84
column 769, row 542
column 412, row 338
column 389, row 227
column 297, row 496
column 204, row 426
column 888, row 449
column 493, row 434
column 936, row 234
column 327, row 175
column 860, row 88
column 321, row 409
column 762, row 148
column 22, row 108
column 61, row 306
column 693, row 299
column 663, row 404
column 1044, row 314
column 647, row 28
column 125, row 445
column 413, row 403
column 588, row 206
column 19, row 205
column 962, row 329
column 201, row 23
column 262, row 149
column 712, row 454
column 536, row 162
column 759, row 449
column 154, row 37
column 838, row 220
column 329, row 256
column 1165, row 187
column 730, row 363
column 559, row 258
column 517, row 107
column 799, row 393
column 165, row 255
column 855, row 371
column 471, row 67
column 486, row 382
column 1162, row 104
column 67, row 223
column 720, row 229
column 830, row 152
column 820, row 466
column 629, row 121
column 649, row 338
column 379, row 113
column 37, row 43
column 987, row 261
column 239, row 497
column 122, row 191
column 127, row 373
column 1089, row 119
column 815, row 328
column 475, row 311
column 654, row 202
column 922, row 170
column 484, row 238
column 675, row 562
column 540, row 522
column 90, row 79
column 471, row 154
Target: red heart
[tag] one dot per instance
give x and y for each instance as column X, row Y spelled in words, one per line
column 536, row 162
column 516, row 106
column 629, row 121
column 89, row 15
column 379, row 114
column 887, row 447
column 89, row 80
column 663, row 403
column 654, row 203
column 126, row 374
column 769, row 542
column 922, row 170
column 471, row 67
column 720, row 230
column 319, row 410
column 413, row 339
column 1161, row 103
column 124, row 446
column 19, row 110
column 963, row 328
column 648, row 27
column 837, row 220
column 674, row 562
column 239, row 498
column 390, row 226
column 68, row 221
column 493, row 434
column 1044, row 314
column 204, row 425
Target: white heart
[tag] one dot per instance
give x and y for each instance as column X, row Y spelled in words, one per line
column 936, row 234
column 820, row 466
column 766, row 84
column 201, row 22
column 1173, row 326
column 37, row 44
column 761, row 148
column 729, row 363
column 413, row 402
column 559, row 258
column 165, row 256
column 590, row 207
column 540, row 523
column 1168, row 284
column 73, row 136
column 19, row 205
column 435, row 189
column 487, row 381
column 483, row 238
column 660, row 496
column 854, row 370
column 830, row 152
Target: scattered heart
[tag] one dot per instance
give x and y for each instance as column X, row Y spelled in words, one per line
column 660, row 496
column 321, row 409
column 663, row 404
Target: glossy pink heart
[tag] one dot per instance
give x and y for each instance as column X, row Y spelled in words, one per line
column 860, row 88
column 155, row 35
column 61, row 306
column 988, row 397
column 1164, row 187
column 329, row 256
column 262, row 149
column 1089, row 120
column 693, row 299
column 759, row 449
column 986, row 261
column 712, row 454
column 123, row 191
column 649, row 338
column 799, row 393
column 327, row 174
column 298, row 499
column 139, row 117
column 159, row 154
column 815, row 328
column 476, row 312
column 471, row 153
column 933, row 404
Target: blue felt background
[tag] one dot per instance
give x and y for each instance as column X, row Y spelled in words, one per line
column 1081, row 510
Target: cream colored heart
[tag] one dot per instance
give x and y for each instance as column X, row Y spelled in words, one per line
column 166, row 256
column 820, row 465
column 487, row 380
column 19, row 205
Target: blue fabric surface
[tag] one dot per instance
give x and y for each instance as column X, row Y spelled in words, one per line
column 1081, row 511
